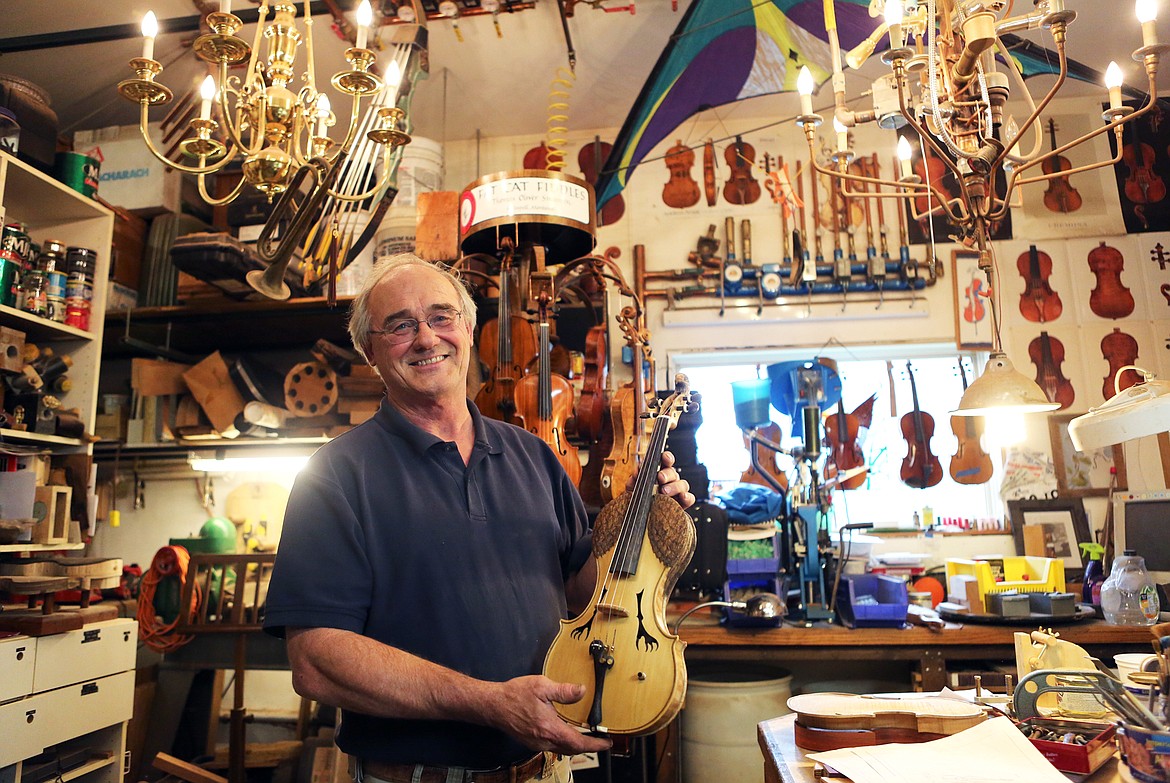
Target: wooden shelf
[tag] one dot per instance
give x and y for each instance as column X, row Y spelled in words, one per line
column 238, row 326
column 40, row 329
column 39, row 547
column 20, row 436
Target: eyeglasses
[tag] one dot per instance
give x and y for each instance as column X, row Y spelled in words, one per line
column 406, row 329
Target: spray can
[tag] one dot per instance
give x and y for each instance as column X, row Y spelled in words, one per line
column 1094, row 573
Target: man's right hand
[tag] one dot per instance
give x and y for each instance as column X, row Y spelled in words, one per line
column 526, row 712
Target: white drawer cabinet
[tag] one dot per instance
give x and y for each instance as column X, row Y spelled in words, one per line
column 72, row 691
column 16, row 667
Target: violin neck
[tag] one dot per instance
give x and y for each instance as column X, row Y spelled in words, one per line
column 503, row 324
column 544, row 381
column 629, row 546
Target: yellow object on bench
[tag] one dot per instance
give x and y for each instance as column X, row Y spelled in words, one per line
column 1004, row 574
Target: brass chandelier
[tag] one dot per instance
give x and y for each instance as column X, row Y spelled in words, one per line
column 946, row 85
column 281, row 136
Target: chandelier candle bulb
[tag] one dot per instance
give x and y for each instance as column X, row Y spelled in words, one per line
column 365, row 17
column 225, row 6
column 893, row 15
column 323, row 109
column 804, row 85
column 1147, row 15
column 206, row 94
column 149, row 31
column 1113, row 81
column 904, row 154
column 842, row 135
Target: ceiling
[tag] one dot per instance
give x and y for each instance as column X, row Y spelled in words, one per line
column 493, row 86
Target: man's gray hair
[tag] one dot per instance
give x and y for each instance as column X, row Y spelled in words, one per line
column 359, row 312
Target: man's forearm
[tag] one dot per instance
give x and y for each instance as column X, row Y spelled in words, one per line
column 353, row 672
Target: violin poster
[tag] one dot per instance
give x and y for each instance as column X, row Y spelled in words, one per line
column 927, row 219
column 972, row 309
column 1068, row 205
column 1143, row 171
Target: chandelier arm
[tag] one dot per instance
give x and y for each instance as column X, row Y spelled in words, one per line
column 1037, row 132
column 232, row 127
column 202, row 169
column 217, row 202
column 255, row 54
column 311, row 74
column 354, row 115
column 1035, row 115
column 1069, row 172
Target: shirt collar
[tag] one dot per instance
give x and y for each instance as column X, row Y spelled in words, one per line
column 392, row 420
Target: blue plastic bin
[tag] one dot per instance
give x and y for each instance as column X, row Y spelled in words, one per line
column 889, row 611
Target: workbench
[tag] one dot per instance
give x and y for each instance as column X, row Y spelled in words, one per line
column 784, row 762
column 931, row 651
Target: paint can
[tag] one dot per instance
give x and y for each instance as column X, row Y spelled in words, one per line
column 78, row 171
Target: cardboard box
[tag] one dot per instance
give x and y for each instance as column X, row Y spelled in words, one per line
column 131, row 177
column 129, row 247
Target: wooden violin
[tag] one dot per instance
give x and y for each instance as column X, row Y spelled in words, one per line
column 970, row 464
column 1060, row 196
column 933, row 171
column 765, row 457
column 1119, row 349
column 591, row 405
column 1038, row 302
column 591, row 158
column 741, row 187
column 920, row 468
column 841, row 436
column 710, row 186
column 681, row 190
column 507, row 344
column 545, row 401
column 1047, row 353
column 1109, row 299
column 828, row 721
column 620, row 647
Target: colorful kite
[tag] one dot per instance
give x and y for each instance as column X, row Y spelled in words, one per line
column 725, row 51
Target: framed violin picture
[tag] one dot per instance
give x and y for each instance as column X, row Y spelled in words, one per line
column 1051, row 528
column 972, row 308
column 1082, row 474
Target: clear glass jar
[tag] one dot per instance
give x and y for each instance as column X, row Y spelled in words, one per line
column 1129, row 596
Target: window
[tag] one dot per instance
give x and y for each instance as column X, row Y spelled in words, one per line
column 885, row 500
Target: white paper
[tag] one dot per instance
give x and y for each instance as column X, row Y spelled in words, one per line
column 992, row 752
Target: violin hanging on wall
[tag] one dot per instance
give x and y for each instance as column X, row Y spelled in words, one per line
column 620, row 648
column 1047, row 353
column 591, row 158
column 765, row 457
column 1142, row 184
column 680, row 191
column 507, row 344
column 920, row 468
column 971, row 464
column 1109, row 299
column 1038, row 303
column 842, row 436
column 1119, row 349
column 741, row 187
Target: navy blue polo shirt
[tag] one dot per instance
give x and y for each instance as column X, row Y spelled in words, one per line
column 388, row 534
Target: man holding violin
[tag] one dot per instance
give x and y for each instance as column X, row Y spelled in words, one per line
column 428, row 556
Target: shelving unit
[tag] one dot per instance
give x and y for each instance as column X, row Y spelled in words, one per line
column 53, row 211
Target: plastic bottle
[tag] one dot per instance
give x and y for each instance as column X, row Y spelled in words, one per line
column 1128, row 596
column 1094, row 573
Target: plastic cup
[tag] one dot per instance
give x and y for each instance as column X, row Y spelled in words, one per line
column 750, row 398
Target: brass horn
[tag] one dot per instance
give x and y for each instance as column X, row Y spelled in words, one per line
column 856, row 56
column 291, row 222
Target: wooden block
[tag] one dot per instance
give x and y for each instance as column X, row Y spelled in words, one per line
column 32, row 623
column 51, row 509
column 975, row 598
column 260, row 754
column 185, row 770
column 355, row 404
column 154, row 377
column 436, row 238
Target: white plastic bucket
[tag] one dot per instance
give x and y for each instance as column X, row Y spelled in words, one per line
column 349, row 280
column 724, row 702
column 420, row 171
column 397, row 232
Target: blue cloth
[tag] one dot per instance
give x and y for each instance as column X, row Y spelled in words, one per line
column 388, row 534
column 751, row 504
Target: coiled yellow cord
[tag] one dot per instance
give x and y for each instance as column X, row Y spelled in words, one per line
column 558, row 117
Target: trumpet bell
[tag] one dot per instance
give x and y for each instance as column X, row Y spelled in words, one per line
column 270, row 282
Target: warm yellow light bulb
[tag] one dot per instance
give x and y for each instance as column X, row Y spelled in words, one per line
column 149, row 31
column 1146, row 10
column 804, row 86
column 365, row 17
column 893, row 12
column 1113, row 81
column 207, row 92
column 904, row 155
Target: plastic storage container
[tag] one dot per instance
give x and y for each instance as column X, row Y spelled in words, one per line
column 1129, row 596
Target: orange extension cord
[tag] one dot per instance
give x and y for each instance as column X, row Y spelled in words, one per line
column 154, row 633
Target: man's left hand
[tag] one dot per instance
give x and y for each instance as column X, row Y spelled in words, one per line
column 669, row 482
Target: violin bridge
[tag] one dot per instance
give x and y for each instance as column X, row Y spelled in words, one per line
column 613, row 610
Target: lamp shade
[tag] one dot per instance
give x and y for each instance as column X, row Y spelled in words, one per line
column 1140, row 410
column 1002, row 389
